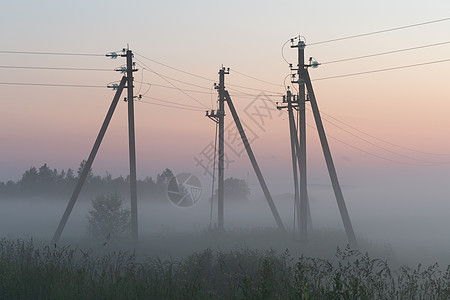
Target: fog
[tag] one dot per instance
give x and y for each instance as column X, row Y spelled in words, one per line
column 409, row 220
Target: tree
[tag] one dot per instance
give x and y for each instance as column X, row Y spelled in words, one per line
column 164, row 177
column 235, row 189
column 46, row 176
column 30, row 180
column 81, row 168
column 107, row 218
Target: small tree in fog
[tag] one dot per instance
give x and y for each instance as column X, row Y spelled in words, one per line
column 107, row 218
column 235, row 190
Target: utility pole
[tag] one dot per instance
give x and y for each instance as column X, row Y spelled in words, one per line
column 303, row 81
column 132, row 146
column 128, row 80
column 218, row 117
column 221, row 167
column 304, row 202
column 295, row 150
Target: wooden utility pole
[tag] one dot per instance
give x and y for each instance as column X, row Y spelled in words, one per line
column 218, row 117
column 221, row 167
column 132, row 147
column 132, row 150
column 304, row 205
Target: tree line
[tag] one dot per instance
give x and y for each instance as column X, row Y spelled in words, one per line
column 47, row 183
column 44, row 182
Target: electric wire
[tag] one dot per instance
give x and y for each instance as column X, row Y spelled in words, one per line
column 172, row 84
column 243, row 94
column 373, row 154
column 211, row 97
column 282, row 51
column 172, row 87
column 378, row 31
column 254, row 78
column 195, row 75
column 253, row 89
column 385, row 53
column 51, row 53
column 177, row 80
column 381, row 147
column 173, row 102
column 370, row 153
column 284, row 81
column 142, row 80
column 381, row 140
column 382, row 70
column 170, row 106
column 52, row 85
column 55, row 68
column 173, row 68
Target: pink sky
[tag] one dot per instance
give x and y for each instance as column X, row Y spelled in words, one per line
column 408, row 107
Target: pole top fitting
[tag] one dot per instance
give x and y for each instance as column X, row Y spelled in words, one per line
column 301, row 42
column 224, row 70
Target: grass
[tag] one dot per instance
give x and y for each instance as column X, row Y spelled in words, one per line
column 28, row 271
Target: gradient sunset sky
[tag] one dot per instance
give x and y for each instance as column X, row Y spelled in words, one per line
column 399, row 119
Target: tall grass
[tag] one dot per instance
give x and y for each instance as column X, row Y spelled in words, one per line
column 31, row 272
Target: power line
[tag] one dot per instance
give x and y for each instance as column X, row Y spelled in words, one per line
column 378, row 31
column 254, row 78
column 173, row 102
column 54, row 68
column 173, row 68
column 282, row 51
column 253, row 89
column 52, row 85
column 384, row 148
column 50, row 53
column 170, row 106
column 177, row 80
column 379, row 139
column 373, row 154
column 173, row 84
column 198, row 76
column 382, row 70
column 376, row 155
column 171, row 87
column 384, row 53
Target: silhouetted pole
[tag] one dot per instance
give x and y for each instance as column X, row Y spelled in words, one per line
column 259, row 175
column 305, row 213
column 221, row 168
column 329, row 160
column 132, row 147
column 294, row 149
column 88, row 165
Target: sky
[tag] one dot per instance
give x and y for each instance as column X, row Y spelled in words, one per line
column 384, row 129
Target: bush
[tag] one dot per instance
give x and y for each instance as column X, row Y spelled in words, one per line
column 107, row 218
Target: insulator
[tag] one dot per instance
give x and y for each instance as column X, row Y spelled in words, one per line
column 113, row 55
column 122, row 70
column 113, row 86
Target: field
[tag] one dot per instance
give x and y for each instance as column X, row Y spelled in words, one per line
column 212, row 265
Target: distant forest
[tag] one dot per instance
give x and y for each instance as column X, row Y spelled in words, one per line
column 45, row 183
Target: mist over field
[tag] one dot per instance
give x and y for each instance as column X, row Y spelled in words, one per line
column 405, row 223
